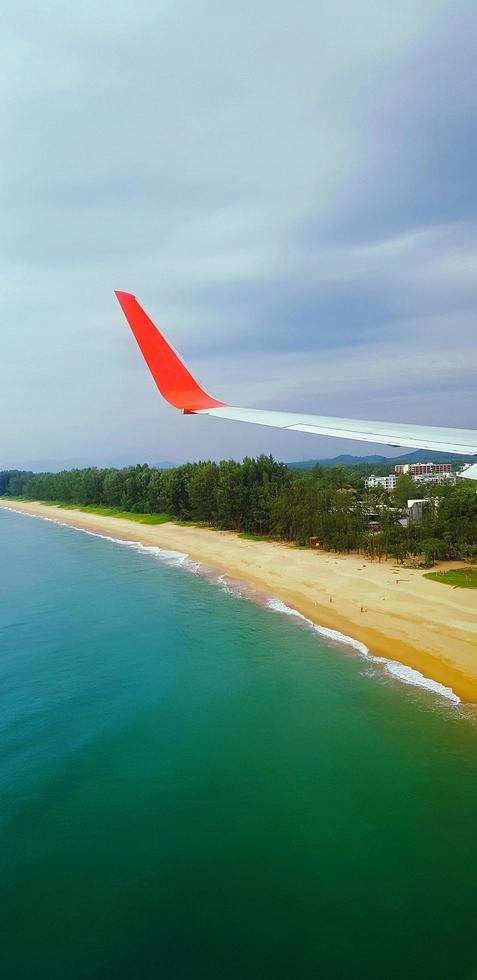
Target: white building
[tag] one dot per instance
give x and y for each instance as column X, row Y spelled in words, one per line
column 450, row 478
column 387, row 482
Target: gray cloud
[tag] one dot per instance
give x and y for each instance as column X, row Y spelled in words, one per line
column 290, row 192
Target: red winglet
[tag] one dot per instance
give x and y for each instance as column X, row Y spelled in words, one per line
column 174, row 381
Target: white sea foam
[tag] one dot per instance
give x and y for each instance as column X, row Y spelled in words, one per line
column 407, row 675
column 171, row 557
column 227, row 587
column 278, row 606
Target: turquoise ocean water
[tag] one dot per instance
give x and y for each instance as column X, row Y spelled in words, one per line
column 193, row 786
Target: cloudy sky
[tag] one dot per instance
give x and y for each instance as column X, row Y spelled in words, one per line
column 290, row 191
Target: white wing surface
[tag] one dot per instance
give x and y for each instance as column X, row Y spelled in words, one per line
column 181, row 390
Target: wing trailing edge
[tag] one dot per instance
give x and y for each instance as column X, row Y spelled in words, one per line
column 181, row 390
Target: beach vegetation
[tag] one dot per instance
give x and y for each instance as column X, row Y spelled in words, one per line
column 263, row 499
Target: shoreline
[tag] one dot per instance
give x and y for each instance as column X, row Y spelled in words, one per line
column 393, row 611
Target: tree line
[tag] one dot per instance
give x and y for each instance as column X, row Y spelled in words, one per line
column 264, row 497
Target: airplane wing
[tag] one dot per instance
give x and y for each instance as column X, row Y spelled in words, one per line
column 181, row 390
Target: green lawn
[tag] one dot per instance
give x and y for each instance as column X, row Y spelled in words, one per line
column 459, row 578
column 127, row 515
column 246, row 536
column 105, row 511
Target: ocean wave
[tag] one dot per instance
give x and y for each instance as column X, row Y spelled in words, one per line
column 163, row 554
column 171, row 557
column 407, row 675
column 278, row 606
column 403, row 673
column 234, row 590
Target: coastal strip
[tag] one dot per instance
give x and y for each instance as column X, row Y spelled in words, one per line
column 394, row 612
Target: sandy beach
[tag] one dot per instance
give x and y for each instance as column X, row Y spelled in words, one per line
column 394, row 611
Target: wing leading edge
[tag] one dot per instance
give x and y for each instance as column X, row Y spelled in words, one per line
column 181, row 390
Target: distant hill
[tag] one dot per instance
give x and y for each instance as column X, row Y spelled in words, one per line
column 80, row 463
column 417, row 456
column 118, row 462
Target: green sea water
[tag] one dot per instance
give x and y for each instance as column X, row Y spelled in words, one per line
column 193, row 786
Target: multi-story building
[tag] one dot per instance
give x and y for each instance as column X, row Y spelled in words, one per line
column 387, row 482
column 423, row 469
column 436, row 478
column 420, row 473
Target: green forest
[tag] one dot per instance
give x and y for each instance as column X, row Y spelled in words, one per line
column 265, row 498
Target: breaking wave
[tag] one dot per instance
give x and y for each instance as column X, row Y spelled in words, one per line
column 403, row 673
column 408, row 675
